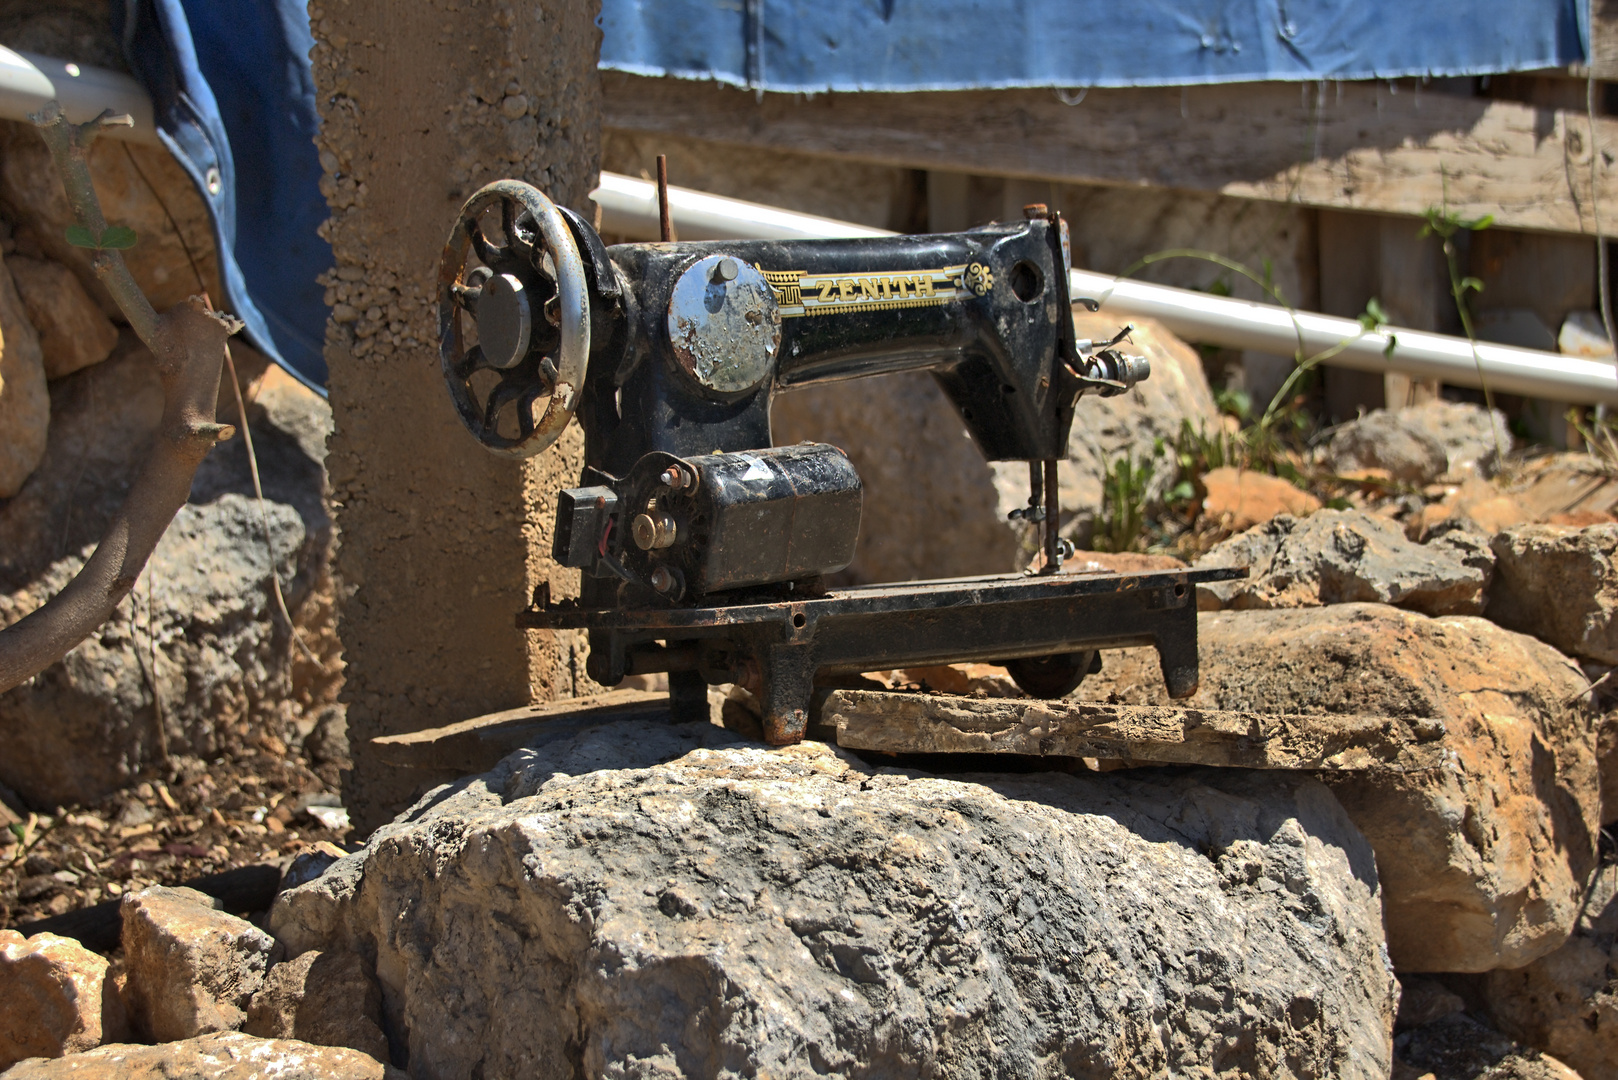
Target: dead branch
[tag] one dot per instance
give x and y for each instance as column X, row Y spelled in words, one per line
column 188, row 346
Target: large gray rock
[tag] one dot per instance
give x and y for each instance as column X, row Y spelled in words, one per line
column 197, row 659
column 1421, row 443
column 1348, row 556
column 1380, row 441
column 655, row 900
column 1483, row 861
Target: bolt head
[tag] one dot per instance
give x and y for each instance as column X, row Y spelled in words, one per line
column 662, row 580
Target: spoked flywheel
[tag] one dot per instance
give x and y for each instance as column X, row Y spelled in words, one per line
column 512, row 266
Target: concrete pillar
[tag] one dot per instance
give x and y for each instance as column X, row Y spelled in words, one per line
column 441, row 542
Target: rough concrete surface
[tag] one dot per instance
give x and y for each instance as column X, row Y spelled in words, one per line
column 422, row 104
column 650, row 900
column 228, row 1055
column 1483, row 861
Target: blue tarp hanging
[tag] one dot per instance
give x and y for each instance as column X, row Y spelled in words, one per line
column 235, row 102
column 234, row 97
column 811, row 45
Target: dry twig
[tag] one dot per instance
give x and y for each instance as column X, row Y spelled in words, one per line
column 188, row 346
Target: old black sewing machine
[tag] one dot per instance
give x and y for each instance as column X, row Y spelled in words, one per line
column 703, row 546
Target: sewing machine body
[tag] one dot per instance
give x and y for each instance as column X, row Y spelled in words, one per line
column 703, row 547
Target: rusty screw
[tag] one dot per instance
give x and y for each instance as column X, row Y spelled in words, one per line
column 662, row 580
column 1036, row 210
column 673, row 477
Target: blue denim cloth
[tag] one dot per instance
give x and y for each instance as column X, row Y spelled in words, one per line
column 234, row 97
column 812, row 45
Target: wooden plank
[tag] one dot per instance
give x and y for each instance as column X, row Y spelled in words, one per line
column 1604, row 39
column 940, row 723
column 1353, row 146
column 475, row 745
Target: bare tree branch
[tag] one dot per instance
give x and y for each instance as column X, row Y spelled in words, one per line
column 188, row 345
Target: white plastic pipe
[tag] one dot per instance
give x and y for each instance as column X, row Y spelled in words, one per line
column 28, row 81
column 629, row 208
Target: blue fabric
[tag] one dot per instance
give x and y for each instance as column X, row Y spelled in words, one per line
column 813, row 45
column 234, row 97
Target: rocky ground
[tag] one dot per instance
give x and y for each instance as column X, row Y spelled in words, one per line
column 651, row 900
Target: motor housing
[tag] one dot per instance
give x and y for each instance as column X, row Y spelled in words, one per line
column 687, row 527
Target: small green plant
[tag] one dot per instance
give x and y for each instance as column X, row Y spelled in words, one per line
column 1446, row 224
column 112, row 238
column 1373, row 319
column 1125, row 491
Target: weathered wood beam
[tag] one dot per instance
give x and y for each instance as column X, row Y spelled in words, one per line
column 1170, row 735
column 1604, row 39
column 1351, row 146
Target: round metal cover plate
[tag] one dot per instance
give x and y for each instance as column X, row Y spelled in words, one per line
column 724, row 324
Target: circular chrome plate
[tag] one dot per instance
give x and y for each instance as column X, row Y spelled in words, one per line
column 724, row 324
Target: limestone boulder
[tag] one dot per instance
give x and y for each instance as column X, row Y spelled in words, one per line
column 1380, row 441
column 1473, row 438
column 1483, row 862
column 192, row 969
column 935, row 508
column 226, row 1056
column 646, row 899
column 1566, row 1003
column 199, row 640
column 25, row 404
column 1422, row 443
column 1348, row 556
column 329, row 999
column 55, row 998
column 1560, row 584
column 73, row 331
column 1238, row 499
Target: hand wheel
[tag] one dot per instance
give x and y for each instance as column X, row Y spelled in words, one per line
column 517, row 387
